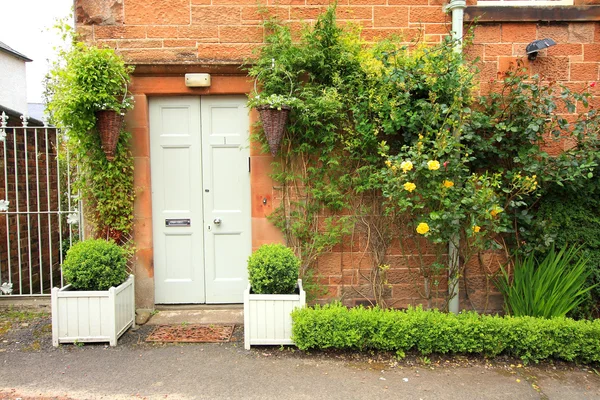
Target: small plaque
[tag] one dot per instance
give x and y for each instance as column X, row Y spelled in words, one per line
column 178, row 222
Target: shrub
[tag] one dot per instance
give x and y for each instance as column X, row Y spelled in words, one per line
column 572, row 215
column 95, row 265
column 548, row 288
column 528, row 338
column 273, row 269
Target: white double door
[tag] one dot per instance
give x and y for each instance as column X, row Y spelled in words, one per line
column 200, row 198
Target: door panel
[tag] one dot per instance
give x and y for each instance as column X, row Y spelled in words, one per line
column 177, row 192
column 179, row 251
column 175, row 145
column 225, row 129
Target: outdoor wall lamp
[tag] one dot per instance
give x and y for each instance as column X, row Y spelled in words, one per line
column 537, row 45
column 197, row 80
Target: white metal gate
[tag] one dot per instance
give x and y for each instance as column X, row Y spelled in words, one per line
column 39, row 217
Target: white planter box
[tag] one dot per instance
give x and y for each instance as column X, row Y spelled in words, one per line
column 267, row 318
column 92, row 316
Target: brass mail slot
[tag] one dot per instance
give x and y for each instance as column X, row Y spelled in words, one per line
column 178, row 222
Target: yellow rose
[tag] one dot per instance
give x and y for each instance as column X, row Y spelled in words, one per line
column 433, row 165
column 476, row 228
column 422, row 228
column 495, row 211
column 409, row 186
column 406, row 166
column 388, row 163
column 448, row 184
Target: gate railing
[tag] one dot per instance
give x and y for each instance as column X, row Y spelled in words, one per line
column 41, row 217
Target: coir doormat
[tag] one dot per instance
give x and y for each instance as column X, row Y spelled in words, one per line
column 193, row 333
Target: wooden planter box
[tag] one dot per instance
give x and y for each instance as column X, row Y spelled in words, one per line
column 92, row 316
column 267, row 319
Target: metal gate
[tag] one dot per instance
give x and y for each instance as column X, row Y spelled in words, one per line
column 39, row 217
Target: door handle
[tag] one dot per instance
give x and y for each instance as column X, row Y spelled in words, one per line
column 217, row 221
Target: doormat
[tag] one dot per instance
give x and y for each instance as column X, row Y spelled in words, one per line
column 193, row 333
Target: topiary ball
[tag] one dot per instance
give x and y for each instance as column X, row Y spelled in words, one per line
column 273, row 269
column 95, row 265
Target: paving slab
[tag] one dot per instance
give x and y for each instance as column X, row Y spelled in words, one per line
column 198, row 316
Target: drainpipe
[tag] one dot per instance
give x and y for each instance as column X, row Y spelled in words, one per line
column 457, row 8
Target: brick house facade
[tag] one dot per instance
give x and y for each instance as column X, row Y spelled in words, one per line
column 165, row 39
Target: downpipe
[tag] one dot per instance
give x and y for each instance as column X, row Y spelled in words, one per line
column 457, row 7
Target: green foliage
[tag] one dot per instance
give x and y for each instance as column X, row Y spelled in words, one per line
column 95, row 265
column 512, row 129
column 107, row 189
column 479, row 166
column 440, row 193
column 531, row 339
column 571, row 215
column 85, row 80
column 273, row 101
column 548, row 288
column 313, row 169
column 510, row 134
column 273, row 269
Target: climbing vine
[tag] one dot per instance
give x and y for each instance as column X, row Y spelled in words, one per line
column 86, row 79
column 388, row 142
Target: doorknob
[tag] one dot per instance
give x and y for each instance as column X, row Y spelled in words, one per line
column 217, row 221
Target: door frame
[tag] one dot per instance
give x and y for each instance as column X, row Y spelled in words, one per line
column 169, row 80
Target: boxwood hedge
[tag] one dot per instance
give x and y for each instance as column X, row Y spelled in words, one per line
column 430, row 331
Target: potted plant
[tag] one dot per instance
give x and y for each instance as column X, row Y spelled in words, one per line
column 274, row 291
column 98, row 304
column 273, row 110
column 88, row 89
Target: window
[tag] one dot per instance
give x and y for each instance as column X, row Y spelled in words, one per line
column 517, row 3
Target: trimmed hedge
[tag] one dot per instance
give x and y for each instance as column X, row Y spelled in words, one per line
column 273, row 269
column 95, row 264
column 530, row 339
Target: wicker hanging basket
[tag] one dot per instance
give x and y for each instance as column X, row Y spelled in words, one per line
column 273, row 121
column 109, row 124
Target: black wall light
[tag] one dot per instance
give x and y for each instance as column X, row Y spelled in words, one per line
column 537, row 45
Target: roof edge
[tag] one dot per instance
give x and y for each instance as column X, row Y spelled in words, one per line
column 9, row 50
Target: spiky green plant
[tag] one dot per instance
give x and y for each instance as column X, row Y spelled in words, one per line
column 548, row 288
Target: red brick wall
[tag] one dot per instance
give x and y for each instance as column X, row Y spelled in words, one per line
column 178, row 36
column 176, row 31
column 573, row 60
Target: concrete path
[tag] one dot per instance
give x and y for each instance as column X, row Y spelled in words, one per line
column 30, row 368
column 227, row 372
column 213, row 371
column 198, row 315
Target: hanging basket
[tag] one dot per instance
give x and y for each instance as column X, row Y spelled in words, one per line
column 109, row 124
column 273, row 121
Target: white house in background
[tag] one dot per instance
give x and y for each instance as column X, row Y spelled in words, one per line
column 13, row 85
